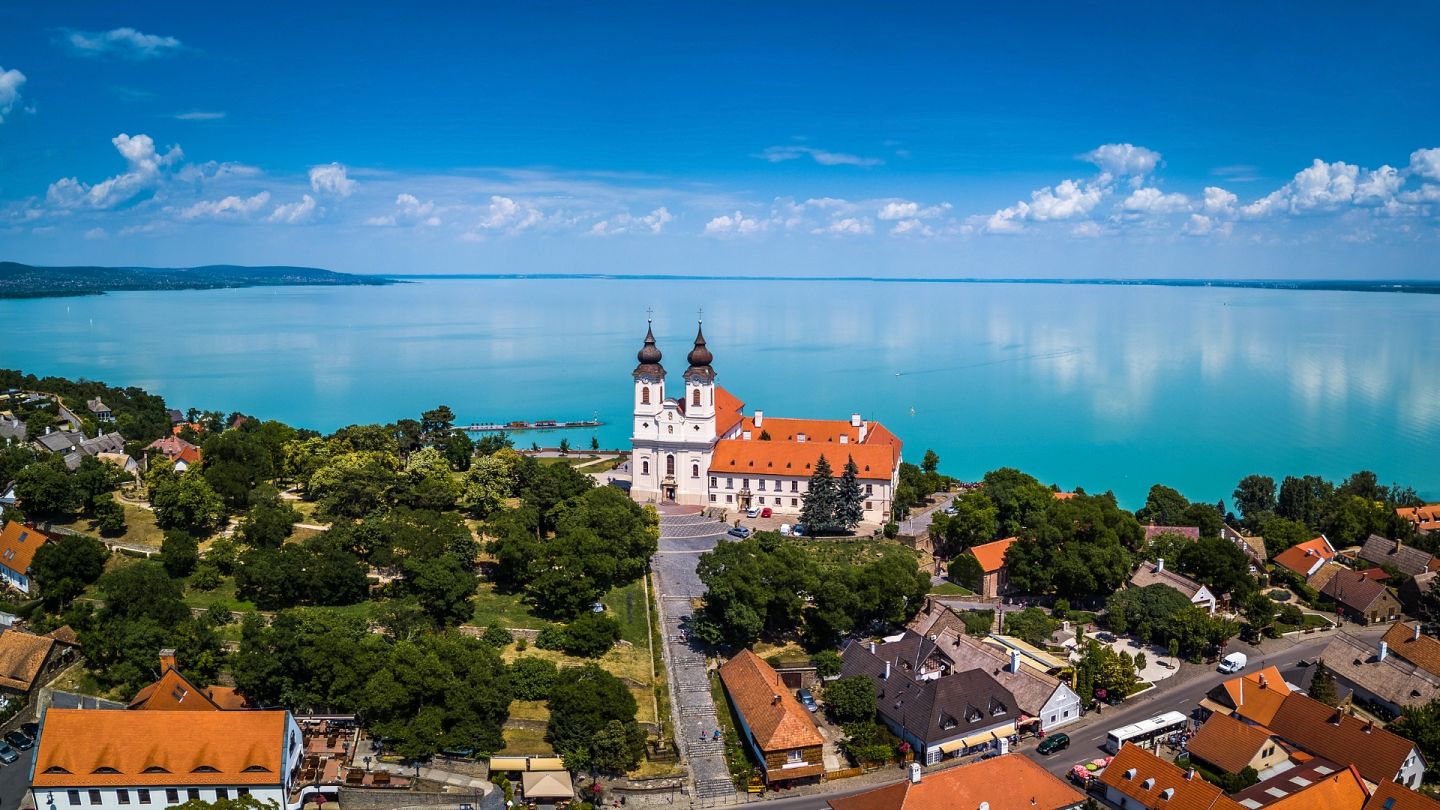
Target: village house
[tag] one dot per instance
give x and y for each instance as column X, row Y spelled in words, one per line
column 1155, row 574
column 183, row 453
column 1252, row 545
column 174, row 692
column 1387, row 553
column 28, row 661
column 1377, row 675
column 7, row 496
column 701, row 449
column 1390, row 796
column 1231, row 745
column 18, row 544
column 119, row 759
column 1138, row 780
column 773, row 725
column 99, row 409
column 991, row 556
column 1416, row 588
column 1340, row 737
column 12, row 429
column 1362, row 598
column 1304, row 559
column 1424, row 518
column 1255, row 696
column 1010, row 782
column 1188, row 532
column 1405, row 640
column 956, row 715
column 73, row 446
column 122, row 462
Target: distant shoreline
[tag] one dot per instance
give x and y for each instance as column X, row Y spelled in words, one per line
column 1392, row 286
column 30, row 281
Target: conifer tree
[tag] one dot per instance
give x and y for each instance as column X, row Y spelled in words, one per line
column 849, row 500
column 818, row 511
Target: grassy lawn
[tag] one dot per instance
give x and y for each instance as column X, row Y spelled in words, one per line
column 525, row 742
column 504, row 609
column 529, row 710
column 627, row 606
column 631, row 664
column 140, row 528
column 223, row 595
column 951, row 589
column 77, row 679
column 852, row 552
column 1311, row 622
column 573, row 461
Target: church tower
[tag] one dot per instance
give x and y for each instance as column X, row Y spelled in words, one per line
column 700, row 387
column 649, row 380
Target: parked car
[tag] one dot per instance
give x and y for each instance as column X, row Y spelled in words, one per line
column 807, row 700
column 949, row 510
column 798, row 530
column 32, row 730
column 7, row 754
column 741, row 532
column 785, row 528
column 18, row 739
column 753, row 511
column 764, row 513
column 1053, row 743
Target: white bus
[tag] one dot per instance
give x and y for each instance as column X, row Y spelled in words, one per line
column 1145, row 732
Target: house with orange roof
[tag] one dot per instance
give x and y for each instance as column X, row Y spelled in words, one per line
column 701, row 449
column 1340, row 788
column 1254, row 696
column 18, row 544
column 29, row 661
column 1424, row 518
column 991, row 556
column 1304, row 559
column 119, row 759
column 1138, row 780
column 1390, row 796
column 183, row 453
column 1231, row 745
column 175, row 692
column 1008, row 782
column 778, row 731
column 1405, row 640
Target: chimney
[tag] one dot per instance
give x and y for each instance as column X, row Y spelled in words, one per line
column 855, row 420
column 1014, row 660
column 872, row 648
column 864, row 431
column 1190, row 775
column 844, row 439
column 1384, row 651
column 799, row 437
column 914, row 773
column 745, row 435
column 1263, row 684
column 1416, row 637
column 1159, row 564
column 1369, row 726
column 167, row 660
column 774, row 700
column 887, row 670
column 759, row 419
column 1339, row 713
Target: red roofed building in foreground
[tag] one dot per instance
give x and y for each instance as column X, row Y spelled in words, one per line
column 1009, row 782
column 700, row 449
column 773, row 724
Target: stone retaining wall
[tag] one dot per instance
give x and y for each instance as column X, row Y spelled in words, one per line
column 390, row 799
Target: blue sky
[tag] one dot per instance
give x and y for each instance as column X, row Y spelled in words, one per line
column 1057, row 140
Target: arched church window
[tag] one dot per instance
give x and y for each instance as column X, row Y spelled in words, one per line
column 645, row 395
column 645, row 467
column 696, row 399
column 694, row 470
column 669, row 465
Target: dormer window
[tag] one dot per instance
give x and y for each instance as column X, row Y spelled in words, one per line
column 104, row 769
column 1167, row 793
column 256, row 769
column 55, row 769
column 205, row 769
column 155, row 769
column 1148, row 783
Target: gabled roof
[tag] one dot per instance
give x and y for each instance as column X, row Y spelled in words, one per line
column 89, row 748
column 1324, row 574
column 1155, row 783
column 1391, row 679
column 1312, row 725
column 1152, row 531
column 1228, row 743
column 1252, row 545
column 776, row 719
column 798, row 459
column 1257, row 695
column 728, row 411
column 1341, row 790
column 1390, row 796
column 1152, row 574
column 22, row 656
column 1425, row 518
column 1353, row 589
column 960, row 653
column 1302, row 558
column 175, row 692
column 18, row 544
column 937, row 708
column 992, row 555
column 1417, row 648
column 1010, row 782
column 1384, row 551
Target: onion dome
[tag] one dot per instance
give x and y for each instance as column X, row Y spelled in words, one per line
column 700, row 359
column 649, row 357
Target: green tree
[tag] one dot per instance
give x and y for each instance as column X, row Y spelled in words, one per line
column 1421, row 725
column 490, row 480
column 1020, row 500
column 583, row 703
column 849, row 499
column 437, row 420
column 443, row 588
column 1303, row 499
column 1163, row 507
column 594, row 443
column 532, row 678
column 179, row 552
column 458, row 449
column 1031, row 624
column 818, row 511
column 1255, row 498
column 851, row 699
column 1322, row 688
column 63, row 567
column 1260, row 611
column 827, row 663
column 1281, row 533
column 975, row 522
column 109, row 515
column 269, row 521
column 1218, row 564
column 931, row 462
column 354, row 484
column 1077, row 547
column 187, row 502
column 591, row 635
column 235, row 463
column 966, row 571
column 47, row 489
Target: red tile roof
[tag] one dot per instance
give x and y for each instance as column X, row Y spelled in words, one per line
column 728, row 411
column 1308, row 723
column 1302, row 557
column 1010, row 782
column 1422, row 651
column 1342, row 790
column 776, row 719
column 1153, row 782
column 22, row 656
column 1426, row 518
column 1228, row 743
column 992, row 555
column 176, row 449
column 1390, row 796
column 798, row 459
column 18, row 544
column 175, row 692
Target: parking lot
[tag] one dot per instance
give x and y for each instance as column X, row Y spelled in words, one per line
column 15, row 780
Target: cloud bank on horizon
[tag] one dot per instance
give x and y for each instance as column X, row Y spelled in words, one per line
column 200, row 185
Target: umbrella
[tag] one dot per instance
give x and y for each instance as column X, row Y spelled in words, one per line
column 1100, row 762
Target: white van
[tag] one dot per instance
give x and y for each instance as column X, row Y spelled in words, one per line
column 785, row 529
column 1234, row 662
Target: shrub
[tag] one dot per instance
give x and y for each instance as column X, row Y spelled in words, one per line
column 550, row 637
column 827, row 663
column 978, row 622
column 591, row 635
column 852, row 699
column 497, row 636
column 206, row 576
column 1062, row 609
column 532, row 678
column 1290, row 614
column 892, row 530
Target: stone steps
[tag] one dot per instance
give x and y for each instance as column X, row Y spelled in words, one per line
column 714, row 788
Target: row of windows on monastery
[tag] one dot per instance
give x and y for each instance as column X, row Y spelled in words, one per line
column 142, row 795
column 795, row 484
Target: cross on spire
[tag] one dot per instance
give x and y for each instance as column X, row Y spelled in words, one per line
column 700, row 315
column 649, row 314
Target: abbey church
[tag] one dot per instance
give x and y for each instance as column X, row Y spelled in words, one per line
column 701, row 449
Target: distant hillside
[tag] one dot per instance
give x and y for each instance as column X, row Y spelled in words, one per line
column 27, row 281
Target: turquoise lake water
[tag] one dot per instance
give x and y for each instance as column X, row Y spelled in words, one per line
column 1101, row 387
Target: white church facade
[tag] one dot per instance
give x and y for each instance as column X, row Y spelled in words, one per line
column 700, row 448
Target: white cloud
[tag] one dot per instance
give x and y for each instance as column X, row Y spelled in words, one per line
column 198, row 115
column 125, row 42
column 1320, row 187
column 779, row 154
column 1379, row 186
column 10, row 81
column 211, row 170
column 331, row 179
column 1151, row 200
column 906, row 227
column 505, row 214
column 145, row 167
column 1425, row 163
column 95, row 234
column 737, row 224
column 908, row 209
column 1202, row 225
column 232, row 207
column 1088, row 230
column 294, row 213
column 409, row 210
column 1219, row 201
column 625, row 222
column 848, row 226
column 1123, row 159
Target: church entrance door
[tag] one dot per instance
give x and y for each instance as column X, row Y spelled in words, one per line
column 669, row 492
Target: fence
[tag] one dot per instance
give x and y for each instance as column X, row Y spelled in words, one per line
column 843, row 773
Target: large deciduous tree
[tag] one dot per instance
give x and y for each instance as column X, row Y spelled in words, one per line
column 584, row 703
